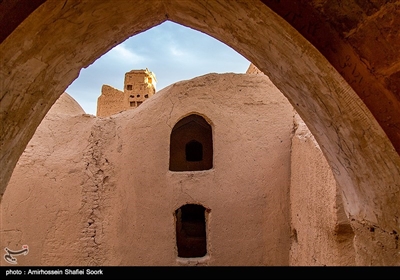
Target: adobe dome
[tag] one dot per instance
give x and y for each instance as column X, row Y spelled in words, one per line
column 66, row 105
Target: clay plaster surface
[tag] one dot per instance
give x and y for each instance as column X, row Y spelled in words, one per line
column 320, row 230
column 45, row 53
column 91, row 180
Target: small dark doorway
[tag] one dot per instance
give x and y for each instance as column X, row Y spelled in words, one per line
column 191, row 231
column 191, row 146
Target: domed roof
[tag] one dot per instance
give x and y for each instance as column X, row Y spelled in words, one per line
column 66, row 105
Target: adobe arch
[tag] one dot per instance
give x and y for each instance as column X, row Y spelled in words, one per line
column 45, row 53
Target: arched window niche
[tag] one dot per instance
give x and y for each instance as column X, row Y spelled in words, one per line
column 191, row 235
column 191, row 146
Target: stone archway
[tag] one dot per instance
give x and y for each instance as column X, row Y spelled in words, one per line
column 47, row 50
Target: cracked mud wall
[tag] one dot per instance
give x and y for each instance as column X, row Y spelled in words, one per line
column 57, row 198
column 97, row 193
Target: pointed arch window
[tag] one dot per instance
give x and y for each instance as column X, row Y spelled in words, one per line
column 191, row 146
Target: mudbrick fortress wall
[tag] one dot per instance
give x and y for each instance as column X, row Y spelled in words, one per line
column 139, row 85
column 205, row 181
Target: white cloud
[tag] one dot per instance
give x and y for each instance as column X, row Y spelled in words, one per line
column 121, row 52
column 173, row 52
column 176, row 51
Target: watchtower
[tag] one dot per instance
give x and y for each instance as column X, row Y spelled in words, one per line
column 138, row 86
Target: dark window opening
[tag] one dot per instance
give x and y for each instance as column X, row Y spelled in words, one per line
column 191, row 237
column 146, row 96
column 194, row 151
column 139, row 102
column 129, row 87
column 138, row 95
column 191, row 145
column 131, row 96
column 132, row 103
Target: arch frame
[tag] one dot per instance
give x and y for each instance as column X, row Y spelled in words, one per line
column 45, row 53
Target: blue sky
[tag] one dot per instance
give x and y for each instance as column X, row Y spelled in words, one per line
column 171, row 51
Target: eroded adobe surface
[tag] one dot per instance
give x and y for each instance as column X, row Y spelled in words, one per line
column 44, row 54
column 98, row 191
